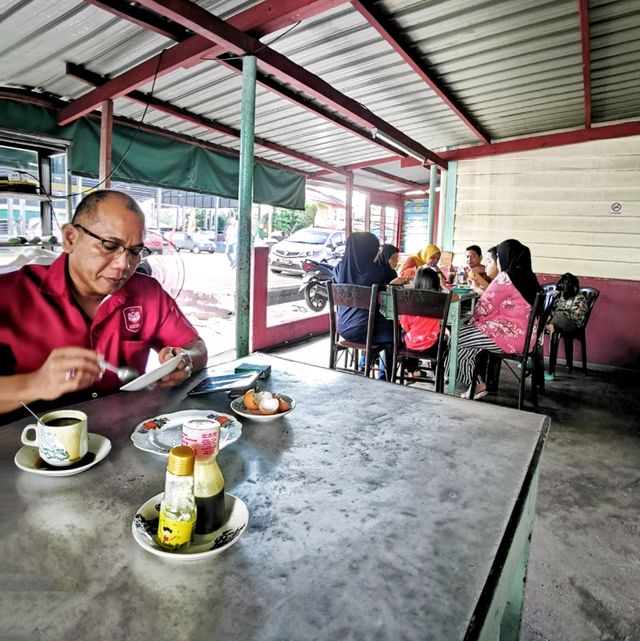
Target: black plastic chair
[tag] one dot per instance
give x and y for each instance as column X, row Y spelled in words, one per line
column 359, row 297
column 530, row 360
column 419, row 302
column 591, row 294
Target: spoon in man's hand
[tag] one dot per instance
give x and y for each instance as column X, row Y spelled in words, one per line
column 125, row 374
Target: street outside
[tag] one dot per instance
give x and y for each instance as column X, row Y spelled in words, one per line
column 208, row 298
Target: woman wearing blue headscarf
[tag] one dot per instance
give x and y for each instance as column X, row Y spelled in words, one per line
column 359, row 267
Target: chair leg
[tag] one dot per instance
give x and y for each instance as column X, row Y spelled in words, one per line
column 583, row 345
column 522, row 381
column 534, row 382
column 538, row 371
column 493, row 373
column 568, row 351
column 554, row 341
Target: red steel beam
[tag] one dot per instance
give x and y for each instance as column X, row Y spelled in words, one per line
column 306, row 103
column 85, row 75
column 391, row 178
column 393, row 37
column 583, row 7
column 193, row 50
column 205, row 24
column 548, row 140
column 370, row 163
column 264, row 18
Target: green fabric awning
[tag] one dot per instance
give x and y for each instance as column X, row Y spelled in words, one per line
column 153, row 159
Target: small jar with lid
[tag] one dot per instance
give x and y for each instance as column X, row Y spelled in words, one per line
column 178, row 506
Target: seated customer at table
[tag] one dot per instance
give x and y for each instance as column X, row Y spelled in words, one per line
column 359, row 267
column 388, row 258
column 421, row 332
column 570, row 306
column 427, row 257
column 481, row 281
column 59, row 319
column 499, row 322
column 474, row 262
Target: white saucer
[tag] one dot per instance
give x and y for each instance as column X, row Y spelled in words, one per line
column 167, row 432
column 27, row 456
column 151, row 377
column 145, row 525
column 237, row 405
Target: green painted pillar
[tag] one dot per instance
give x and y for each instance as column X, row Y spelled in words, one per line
column 431, row 220
column 450, row 206
column 245, row 198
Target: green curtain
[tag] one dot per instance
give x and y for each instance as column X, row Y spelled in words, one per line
column 153, row 159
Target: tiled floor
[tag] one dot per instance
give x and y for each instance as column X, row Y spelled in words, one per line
column 584, row 575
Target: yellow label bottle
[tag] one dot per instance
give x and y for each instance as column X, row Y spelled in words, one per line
column 178, row 507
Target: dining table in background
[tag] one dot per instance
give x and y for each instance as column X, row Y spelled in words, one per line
column 376, row 512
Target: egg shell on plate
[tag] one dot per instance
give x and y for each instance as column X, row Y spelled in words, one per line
column 269, row 405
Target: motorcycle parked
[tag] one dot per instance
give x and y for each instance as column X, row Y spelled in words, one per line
column 314, row 282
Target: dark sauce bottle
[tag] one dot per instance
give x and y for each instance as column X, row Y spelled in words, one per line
column 208, row 490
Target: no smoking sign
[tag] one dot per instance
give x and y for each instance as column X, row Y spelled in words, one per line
column 616, row 209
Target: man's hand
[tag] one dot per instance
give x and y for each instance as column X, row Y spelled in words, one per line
column 182, row 372
column 67, row 369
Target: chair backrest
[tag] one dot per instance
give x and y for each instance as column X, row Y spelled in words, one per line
column 357, row 296
column 538, row 316
column 421, row 302
column 551, row 291
column 591, row 294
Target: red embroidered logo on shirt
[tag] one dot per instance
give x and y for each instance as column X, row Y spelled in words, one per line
column 133, row 318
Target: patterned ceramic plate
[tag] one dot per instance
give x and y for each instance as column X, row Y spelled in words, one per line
column 159, row 434
column 237, row 405
column 145, row 528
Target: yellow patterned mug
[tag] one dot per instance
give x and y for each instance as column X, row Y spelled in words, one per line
column 61, row 437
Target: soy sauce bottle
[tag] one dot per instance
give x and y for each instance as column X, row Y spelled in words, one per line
column 178, row 506
column 208, row 490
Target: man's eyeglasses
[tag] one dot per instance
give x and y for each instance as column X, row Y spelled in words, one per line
column 116, row 248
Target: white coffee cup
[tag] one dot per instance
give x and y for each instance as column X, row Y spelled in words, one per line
column 61, row 437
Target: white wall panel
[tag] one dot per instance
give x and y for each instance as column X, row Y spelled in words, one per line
column 557, row 201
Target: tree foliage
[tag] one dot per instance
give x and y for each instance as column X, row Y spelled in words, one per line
column 290, row 220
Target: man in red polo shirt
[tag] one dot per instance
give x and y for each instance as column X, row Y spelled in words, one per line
column 57, row 321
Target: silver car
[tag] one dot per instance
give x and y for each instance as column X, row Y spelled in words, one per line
column 191, row 242
column 311, row 242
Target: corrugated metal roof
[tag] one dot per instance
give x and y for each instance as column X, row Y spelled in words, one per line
column 513, row 67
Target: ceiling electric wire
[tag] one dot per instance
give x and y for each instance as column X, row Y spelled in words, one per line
column 225, row 56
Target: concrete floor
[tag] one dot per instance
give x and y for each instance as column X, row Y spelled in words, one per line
column 584, row 574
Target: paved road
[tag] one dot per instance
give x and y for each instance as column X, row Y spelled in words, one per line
column 208, row 298
column 211, row 273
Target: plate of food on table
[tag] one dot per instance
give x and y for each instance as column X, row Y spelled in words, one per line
column 159, row 434
column 263, row 406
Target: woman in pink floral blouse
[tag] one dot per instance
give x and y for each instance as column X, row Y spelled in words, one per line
column 499, row 323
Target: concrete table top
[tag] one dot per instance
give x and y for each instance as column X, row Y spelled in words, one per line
column 375, row 513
